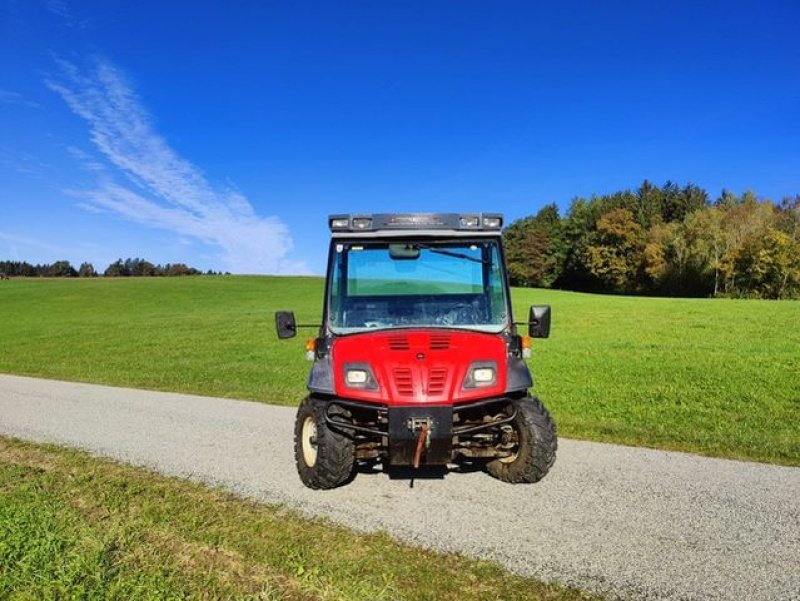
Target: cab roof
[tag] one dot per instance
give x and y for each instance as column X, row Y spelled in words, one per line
column 376, row 225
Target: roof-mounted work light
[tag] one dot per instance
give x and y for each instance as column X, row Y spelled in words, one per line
column 493, row 223
column 362, row 223
column 470, row 221
column 339, row 223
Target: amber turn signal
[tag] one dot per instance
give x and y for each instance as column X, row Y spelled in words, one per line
column 311, row 348
column 526, row 346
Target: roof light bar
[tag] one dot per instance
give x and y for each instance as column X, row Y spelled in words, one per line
column 415, row 221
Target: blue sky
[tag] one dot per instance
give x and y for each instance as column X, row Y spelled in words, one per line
column 222, row 134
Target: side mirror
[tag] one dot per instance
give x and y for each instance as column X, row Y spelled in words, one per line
column 539, row 321
column 285, row 324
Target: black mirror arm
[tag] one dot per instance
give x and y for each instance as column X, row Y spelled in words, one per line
column 525, row 323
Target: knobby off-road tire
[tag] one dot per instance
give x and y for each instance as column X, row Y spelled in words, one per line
column 324, row 458
column 536, row 448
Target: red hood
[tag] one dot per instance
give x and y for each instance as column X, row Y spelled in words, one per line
column 419, row 366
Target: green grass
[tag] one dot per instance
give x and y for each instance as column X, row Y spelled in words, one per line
column 75, row 527
column 718, row 377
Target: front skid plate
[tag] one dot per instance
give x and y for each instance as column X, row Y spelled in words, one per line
column 403, row 437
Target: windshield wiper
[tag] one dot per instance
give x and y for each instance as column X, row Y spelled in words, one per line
column 450, row 253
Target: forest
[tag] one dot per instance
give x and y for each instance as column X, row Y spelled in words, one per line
column 662, row 241
column 119, row 268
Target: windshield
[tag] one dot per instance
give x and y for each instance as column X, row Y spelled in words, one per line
column 405, row 283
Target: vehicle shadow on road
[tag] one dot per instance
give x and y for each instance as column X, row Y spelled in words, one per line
column 426, row 472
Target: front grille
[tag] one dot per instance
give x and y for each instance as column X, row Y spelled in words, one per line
column 403, row 381
column 439, row 342
column 399, row 343
column 437, row 380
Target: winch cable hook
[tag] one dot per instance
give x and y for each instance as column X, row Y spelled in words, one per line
column 423, row 437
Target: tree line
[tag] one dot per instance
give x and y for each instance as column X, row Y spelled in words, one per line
column 668, row 241
column 119, row 268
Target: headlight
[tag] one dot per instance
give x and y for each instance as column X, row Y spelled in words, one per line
column 357, row 376
column 481, row 373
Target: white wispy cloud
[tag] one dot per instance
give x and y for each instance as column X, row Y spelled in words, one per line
column 63, row 11
column 159, row 187
column 9, row 97
column 86, row 160
column 35, row 244
column 21, row 162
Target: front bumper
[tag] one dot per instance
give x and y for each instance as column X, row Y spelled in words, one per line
column 399, row 428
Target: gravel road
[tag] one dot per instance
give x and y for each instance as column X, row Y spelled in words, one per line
column 632, row 523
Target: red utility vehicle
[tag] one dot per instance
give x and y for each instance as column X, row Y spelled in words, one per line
column 418, row 360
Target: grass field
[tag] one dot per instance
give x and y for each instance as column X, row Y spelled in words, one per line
column 74, row 527
column 719, row 377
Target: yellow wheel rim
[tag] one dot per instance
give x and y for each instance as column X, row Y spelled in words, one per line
column 309, row 440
